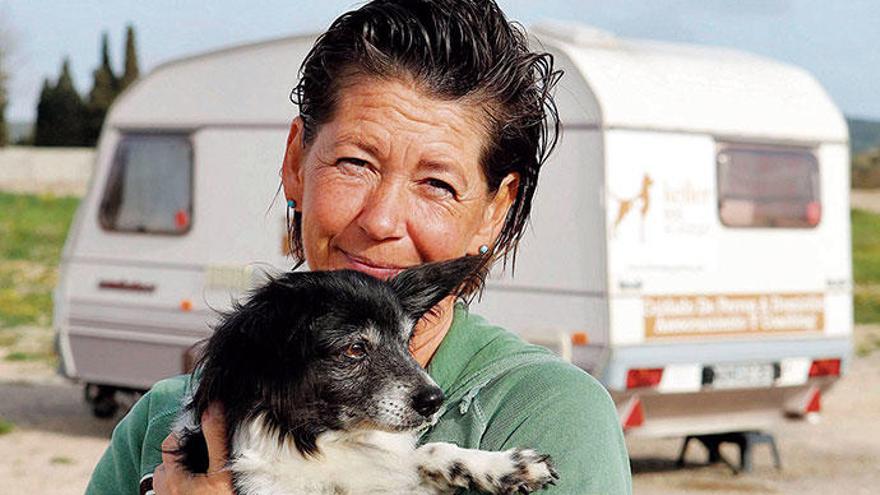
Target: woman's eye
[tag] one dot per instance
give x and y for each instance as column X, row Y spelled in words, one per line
column 356, row 162
column 442, row 186
column 355, row 351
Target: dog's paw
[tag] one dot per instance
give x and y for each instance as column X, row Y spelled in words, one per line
column 529, row 472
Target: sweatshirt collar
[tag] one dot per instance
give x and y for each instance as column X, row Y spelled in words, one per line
column 461, row 344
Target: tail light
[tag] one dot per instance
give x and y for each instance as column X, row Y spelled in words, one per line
column 825, row 367
column 644, row 377
column 814, row 401
column 633, row 414
column 814, row 213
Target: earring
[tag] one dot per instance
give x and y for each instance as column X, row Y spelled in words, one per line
column 291, row 203
column 484, row 249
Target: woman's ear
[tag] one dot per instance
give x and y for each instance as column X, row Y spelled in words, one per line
column 291, row 168
column 496, row 213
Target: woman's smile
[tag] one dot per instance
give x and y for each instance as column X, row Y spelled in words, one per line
column 374, row 268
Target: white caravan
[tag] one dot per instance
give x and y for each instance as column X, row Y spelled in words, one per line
column 690, row 242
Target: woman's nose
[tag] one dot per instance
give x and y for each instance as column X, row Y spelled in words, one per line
column 383, row 215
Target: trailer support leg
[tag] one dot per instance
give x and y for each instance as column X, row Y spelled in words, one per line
column 745, row 440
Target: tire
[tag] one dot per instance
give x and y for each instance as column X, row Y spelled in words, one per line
column 102, row 399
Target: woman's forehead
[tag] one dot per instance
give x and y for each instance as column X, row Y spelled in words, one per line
column 379, row 114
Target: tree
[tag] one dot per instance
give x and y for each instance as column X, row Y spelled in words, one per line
column 4, row 132
column 60, row 112
column 44, row 130
column 4, row 78
column 131, row 60
column 105, row 87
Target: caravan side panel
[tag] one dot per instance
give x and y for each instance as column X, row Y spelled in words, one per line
column 559, row 286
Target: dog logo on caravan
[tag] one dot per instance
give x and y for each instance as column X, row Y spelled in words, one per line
column 625, row 205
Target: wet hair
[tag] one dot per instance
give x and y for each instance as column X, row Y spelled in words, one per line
column 453, row 50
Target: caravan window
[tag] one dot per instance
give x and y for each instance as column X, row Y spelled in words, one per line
column 768, row 187
column 150, row 185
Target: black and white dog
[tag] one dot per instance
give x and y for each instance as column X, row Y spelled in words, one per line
column 321, row 395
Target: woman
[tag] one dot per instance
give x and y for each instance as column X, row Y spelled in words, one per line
column 423, row 126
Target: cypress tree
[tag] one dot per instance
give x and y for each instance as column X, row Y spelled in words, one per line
column 4, row 131
column 43, row 131
column 104, row 89
column 68, row 110
column 131, row 61
column 59, row 112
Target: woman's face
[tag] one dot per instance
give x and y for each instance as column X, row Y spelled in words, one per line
column 394, row 180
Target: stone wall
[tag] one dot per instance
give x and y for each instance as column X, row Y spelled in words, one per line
column 58, row 171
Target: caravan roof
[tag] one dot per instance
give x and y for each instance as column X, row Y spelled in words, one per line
column 246, row 85
column 675, row 87
column 610, row 83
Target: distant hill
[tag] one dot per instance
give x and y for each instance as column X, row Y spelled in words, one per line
column 863, row 134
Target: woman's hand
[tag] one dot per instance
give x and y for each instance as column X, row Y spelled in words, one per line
column 171, row 479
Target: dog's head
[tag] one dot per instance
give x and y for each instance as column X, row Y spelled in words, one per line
column 317, row 351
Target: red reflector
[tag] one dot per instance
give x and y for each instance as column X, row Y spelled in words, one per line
column 181, row 219
column 825, row 367
column 814, row 404
column 645, row 377
column 814, row 213
column 633, row 415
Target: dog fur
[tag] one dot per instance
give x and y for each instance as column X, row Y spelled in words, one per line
column 321, row 395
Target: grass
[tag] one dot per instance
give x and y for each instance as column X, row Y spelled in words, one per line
column 866, row 266
column 27, row 356
column 32, row 233
column 6, row 426
column 33, row 227
column 866, row 247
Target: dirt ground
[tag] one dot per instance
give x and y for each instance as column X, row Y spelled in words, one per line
column 839, row 455
column 55, row 442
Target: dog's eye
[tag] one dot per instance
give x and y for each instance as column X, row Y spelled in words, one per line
column 356, row 351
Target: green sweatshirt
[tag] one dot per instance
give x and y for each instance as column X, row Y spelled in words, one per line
column 501, row 393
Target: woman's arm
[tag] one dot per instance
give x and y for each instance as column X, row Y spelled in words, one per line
column 136, row 441
column 117, row 471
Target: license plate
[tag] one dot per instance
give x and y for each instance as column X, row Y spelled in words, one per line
column 726, row 376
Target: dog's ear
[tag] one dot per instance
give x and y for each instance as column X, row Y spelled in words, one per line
column 420, row 288
column 249, row 352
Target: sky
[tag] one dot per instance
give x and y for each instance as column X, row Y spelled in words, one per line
column 838, row 41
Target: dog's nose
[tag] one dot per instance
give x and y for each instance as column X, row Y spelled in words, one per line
column 427, row 400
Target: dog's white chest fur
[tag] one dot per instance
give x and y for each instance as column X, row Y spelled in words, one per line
column 376, row 462
column 363, row 463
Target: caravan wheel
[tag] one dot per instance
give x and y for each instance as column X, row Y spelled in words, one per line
column 102, row 399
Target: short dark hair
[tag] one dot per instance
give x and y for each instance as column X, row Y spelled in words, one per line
column 453, row 50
